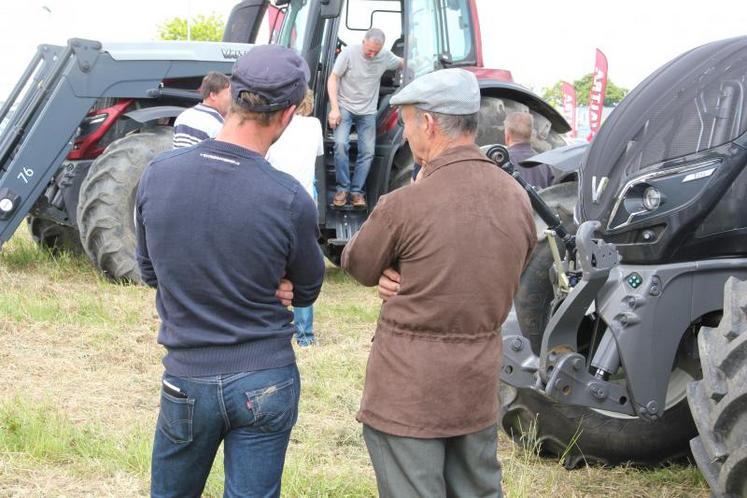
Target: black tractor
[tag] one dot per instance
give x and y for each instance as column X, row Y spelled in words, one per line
column 625, row 322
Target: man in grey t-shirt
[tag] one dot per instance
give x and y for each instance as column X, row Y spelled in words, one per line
column 353, row 90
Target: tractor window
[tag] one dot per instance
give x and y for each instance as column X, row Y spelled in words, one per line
column 423, row 44
column 458, row 30
column 359, row 16
column 296, row 26
column 269, row 28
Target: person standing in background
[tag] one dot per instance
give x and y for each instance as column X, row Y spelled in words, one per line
column 353, row 89
column 295, row 153
column 518, row 133
column 204, row 120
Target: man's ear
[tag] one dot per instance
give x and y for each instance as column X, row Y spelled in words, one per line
column 430, row 123
column 287, row 114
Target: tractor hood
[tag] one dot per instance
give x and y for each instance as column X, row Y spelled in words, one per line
column 667, row 130
column 177, row 51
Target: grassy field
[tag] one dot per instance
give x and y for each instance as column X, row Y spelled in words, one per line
column 79, row 390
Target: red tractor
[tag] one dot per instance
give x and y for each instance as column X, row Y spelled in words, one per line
column 430, row 35
column 84, row 120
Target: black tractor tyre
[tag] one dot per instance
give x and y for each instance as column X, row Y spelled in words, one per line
column 719, row 401
column 493, row 112
column 402, row 168
column 581, row 435
column 54, row 237
column 333, row 254
column 107, row 202
column 532, row 300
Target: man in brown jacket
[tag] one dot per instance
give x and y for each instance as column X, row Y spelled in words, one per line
column 456, row 240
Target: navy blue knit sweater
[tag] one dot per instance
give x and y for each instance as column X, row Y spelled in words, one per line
column 217, row 229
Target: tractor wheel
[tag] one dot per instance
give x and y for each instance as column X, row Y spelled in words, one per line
column 107, row 202
column 493, row 112
column 332, row 253
column 532, row 300
column 54, row 237
column 402, row 168
column 580, row 434
column 719, row 401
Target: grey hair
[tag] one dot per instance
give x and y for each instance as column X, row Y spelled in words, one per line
column 376, row 35
column 452, row 125
column 519, row 125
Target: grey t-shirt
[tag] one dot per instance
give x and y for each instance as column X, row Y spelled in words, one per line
column 358, row 90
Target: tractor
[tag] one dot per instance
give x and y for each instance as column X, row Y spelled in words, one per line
column 631, row 343
column 84, row 120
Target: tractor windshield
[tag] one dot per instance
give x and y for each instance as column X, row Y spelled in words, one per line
column 440, row 33
column 296, row 26
column 694, row 103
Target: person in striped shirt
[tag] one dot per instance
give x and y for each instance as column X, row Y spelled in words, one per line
column 204, row 120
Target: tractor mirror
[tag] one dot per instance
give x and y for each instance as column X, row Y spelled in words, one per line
column 331, row 8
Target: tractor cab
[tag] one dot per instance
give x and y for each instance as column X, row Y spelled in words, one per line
column 429, row 35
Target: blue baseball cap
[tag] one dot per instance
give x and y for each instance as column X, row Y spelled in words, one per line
column 274, row 72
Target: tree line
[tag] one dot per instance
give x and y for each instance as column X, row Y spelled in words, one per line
column 613, row 95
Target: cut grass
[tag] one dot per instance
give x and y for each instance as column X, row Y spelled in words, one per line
column 79, row 395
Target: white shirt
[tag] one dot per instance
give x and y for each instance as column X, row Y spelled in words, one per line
column 196, row 124
column 296, row 150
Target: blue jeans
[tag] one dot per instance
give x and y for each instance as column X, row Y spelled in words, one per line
column 365, row 125
column 303, row 318
column 251, row 412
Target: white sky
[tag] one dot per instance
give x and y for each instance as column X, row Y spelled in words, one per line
column 540, row 42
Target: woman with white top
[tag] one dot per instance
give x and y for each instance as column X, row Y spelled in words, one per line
column 295, row 153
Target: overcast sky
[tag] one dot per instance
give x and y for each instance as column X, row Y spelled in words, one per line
column 540, row 42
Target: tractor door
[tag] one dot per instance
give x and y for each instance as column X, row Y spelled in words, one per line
column 245, row 21
column 442, row 33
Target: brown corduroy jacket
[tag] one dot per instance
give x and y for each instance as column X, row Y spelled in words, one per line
column 459, row 237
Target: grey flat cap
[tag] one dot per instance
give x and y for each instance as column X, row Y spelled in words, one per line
column 448, row 91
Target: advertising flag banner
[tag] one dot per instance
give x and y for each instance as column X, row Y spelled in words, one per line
column 596, row 94
column 569, row 105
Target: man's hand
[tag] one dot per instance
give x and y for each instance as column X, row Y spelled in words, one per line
column 334, row 118
column 388, row 284
column 285, row 292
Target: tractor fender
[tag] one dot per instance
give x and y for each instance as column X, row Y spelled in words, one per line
column 148, row 114
column 564, row 161
column 516, row 92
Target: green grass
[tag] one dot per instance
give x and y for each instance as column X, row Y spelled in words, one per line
column 40, row 432
column 79, row 395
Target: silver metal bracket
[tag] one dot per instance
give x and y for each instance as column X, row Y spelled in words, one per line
column 569, row 381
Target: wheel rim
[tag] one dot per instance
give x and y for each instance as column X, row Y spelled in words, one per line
column 676, row 392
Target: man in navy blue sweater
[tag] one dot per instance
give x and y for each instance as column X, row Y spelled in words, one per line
column 219, row 232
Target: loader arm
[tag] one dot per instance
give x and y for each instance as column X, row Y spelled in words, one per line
column 59, row 87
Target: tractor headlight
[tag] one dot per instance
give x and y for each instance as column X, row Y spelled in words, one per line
column 651, row 198
column 662, row 191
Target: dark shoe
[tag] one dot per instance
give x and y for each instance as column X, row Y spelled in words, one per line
column 340, row 198
column 358, row 201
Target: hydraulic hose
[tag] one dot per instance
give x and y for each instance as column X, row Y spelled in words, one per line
column 500, row 156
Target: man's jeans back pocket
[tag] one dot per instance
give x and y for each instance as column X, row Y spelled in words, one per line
column 175, row 418
column 275, row 407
